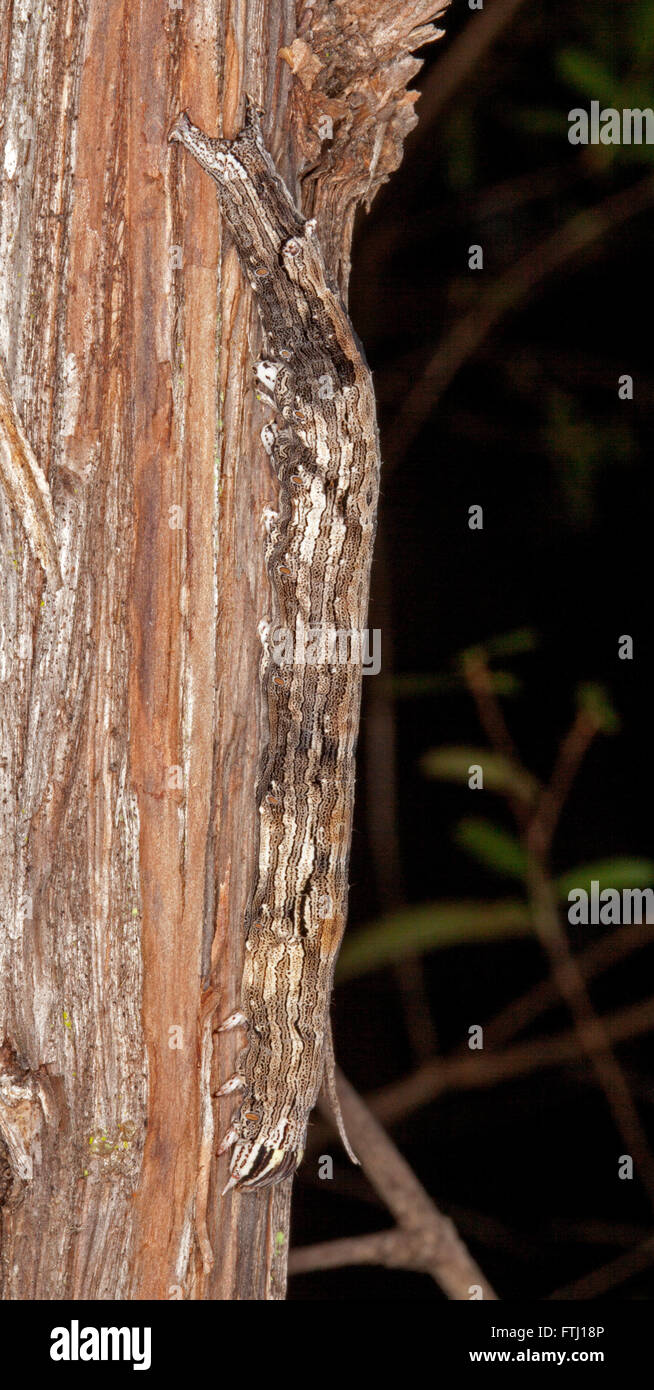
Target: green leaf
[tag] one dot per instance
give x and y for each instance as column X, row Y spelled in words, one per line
column 589, row 75
column 595, row 701
column 414, row 931
column 515, row 643
column 428, row 927
column 619, row 873
column 409, row 686
column 535, row 120
column 452, row 763
column 492, row 846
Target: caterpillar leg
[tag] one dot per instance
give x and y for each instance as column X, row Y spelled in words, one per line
column 229, row 1139
column 233, row 1083
column 235, row 1020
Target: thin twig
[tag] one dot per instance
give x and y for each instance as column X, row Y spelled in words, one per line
column 429, row 1240
column 542, row 996
column 589, row 1027
column 537, row 833
column 460, row 59
column 480, row 1069
column 609, row 1275
column 392, row 1103
column 592, row 1231
column 479, row 680
column 506, row 293
column 556, row 1231
column 395, row 1249
column 568, row 760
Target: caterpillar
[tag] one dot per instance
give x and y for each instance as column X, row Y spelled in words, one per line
column 323, row 445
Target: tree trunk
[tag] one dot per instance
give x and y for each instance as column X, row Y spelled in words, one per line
column 130, row 693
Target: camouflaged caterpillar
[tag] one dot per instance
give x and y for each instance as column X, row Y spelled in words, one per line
column 324, row 447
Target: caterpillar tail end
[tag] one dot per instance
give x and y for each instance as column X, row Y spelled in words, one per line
column 255, row 1166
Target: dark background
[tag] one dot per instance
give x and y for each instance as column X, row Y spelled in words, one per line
column 531, row 428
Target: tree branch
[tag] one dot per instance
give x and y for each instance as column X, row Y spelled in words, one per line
column 425, row 1239
column 509, row 291
column 537, row 830
column 478, row 1069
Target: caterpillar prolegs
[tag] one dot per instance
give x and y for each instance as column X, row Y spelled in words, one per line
column 323, row 445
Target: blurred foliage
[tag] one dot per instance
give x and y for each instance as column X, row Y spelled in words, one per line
column 513, row 372
column 515, row 643
column 411, row 686
column 595, row 702
column 580, row 447
column 415, row 930
column 452, row 763
column 518, row 364
column 493, row 846
column 429, row 927
column 613, row 67
column 425, row 927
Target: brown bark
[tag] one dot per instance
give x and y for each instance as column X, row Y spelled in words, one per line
column 129, row 697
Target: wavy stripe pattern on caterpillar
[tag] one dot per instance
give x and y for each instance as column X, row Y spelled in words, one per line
column 323, row 445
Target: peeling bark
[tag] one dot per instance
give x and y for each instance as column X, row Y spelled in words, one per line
column 129, row 695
